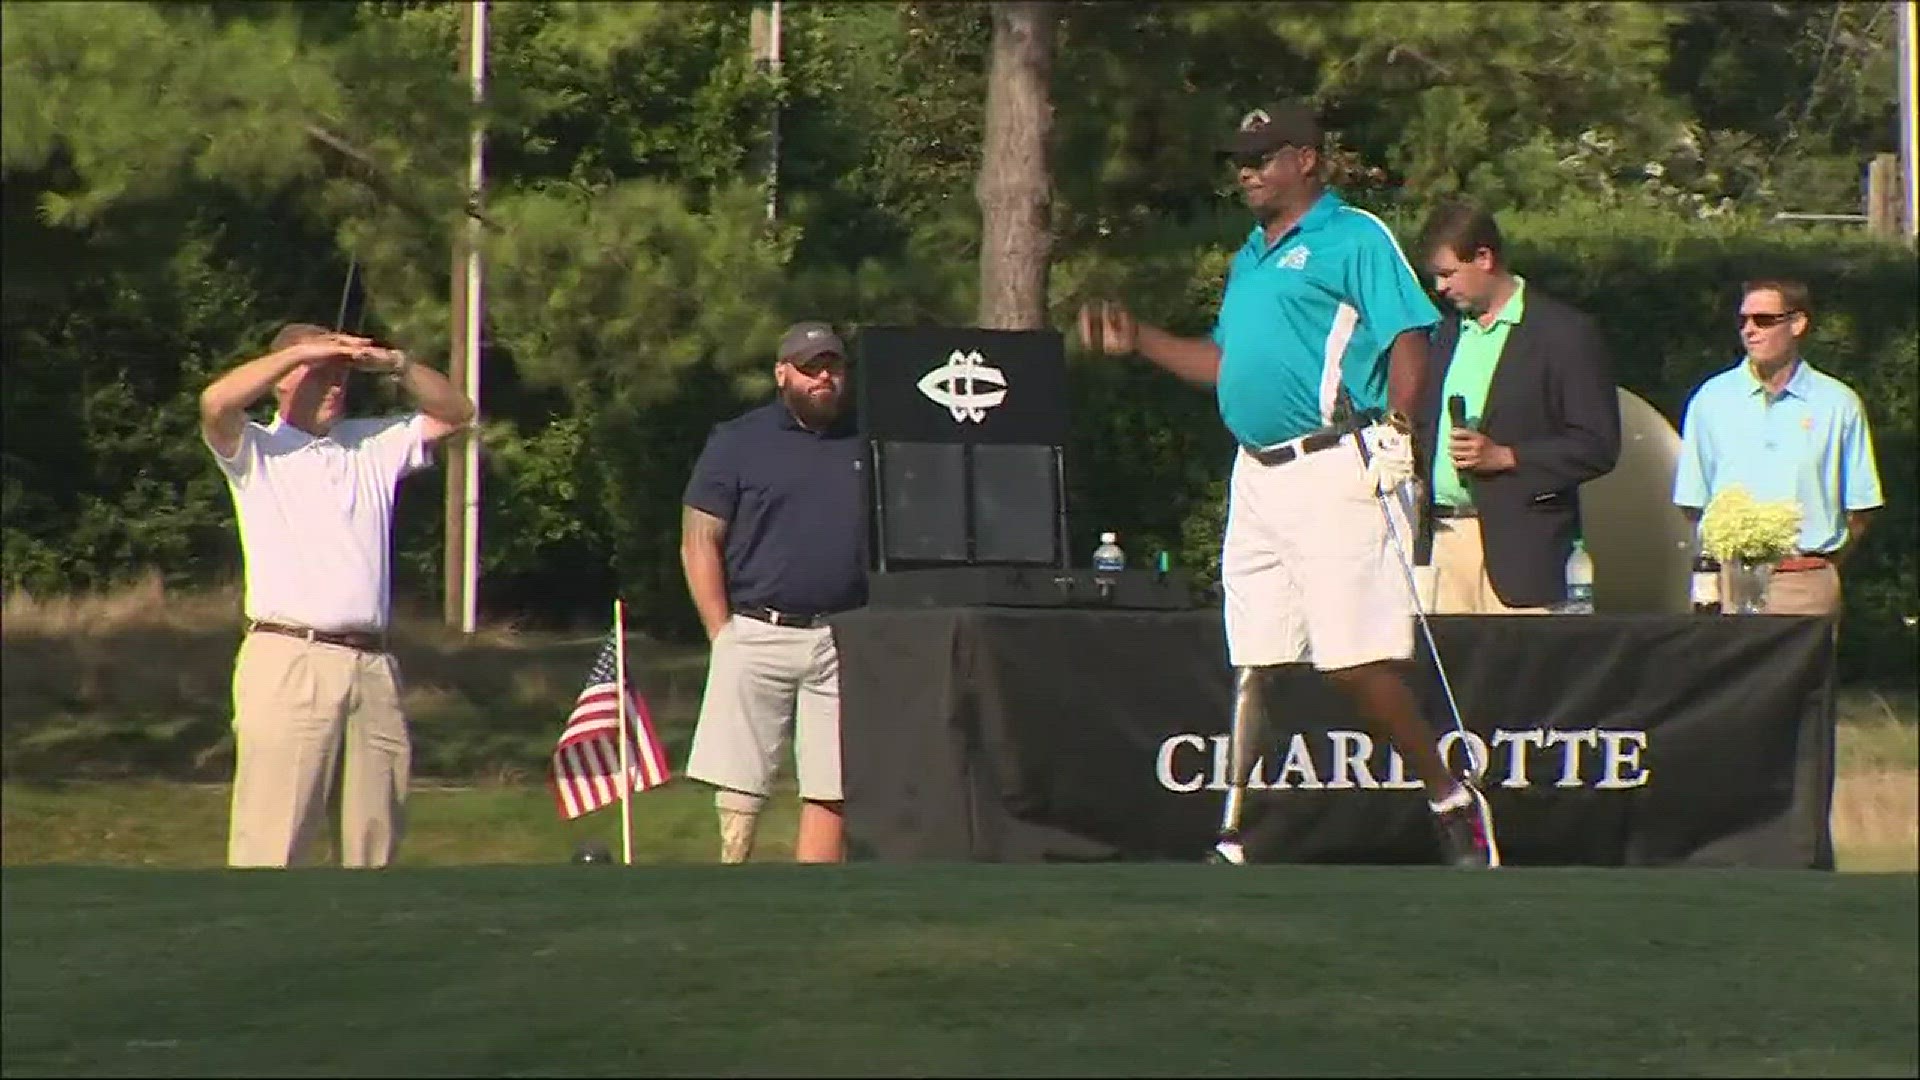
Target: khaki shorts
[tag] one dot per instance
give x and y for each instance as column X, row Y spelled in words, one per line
column 1308, row 568
column 765, row 682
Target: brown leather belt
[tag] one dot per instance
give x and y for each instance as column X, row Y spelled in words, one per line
column 1797, row 563
column 352, row 639
column 1442, row 510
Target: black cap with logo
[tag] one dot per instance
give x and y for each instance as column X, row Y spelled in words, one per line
column 1265, row 130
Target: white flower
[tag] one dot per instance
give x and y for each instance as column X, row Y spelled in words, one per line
column 1736, row 526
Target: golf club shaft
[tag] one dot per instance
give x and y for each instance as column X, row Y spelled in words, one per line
column 1475, row 767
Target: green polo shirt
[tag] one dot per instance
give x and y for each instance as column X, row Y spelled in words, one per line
column 1469, row 374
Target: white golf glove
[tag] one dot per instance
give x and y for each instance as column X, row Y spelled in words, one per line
column 1389, row 458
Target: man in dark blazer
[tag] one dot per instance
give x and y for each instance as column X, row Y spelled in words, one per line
column 1542, row 417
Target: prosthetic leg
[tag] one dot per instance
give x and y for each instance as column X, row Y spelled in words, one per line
column 1243, row 749
column 739, row 821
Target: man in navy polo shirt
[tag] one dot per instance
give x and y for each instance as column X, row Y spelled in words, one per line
column 1321, row 342
column 773, row 540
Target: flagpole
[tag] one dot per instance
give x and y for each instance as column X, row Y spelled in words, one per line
column 620, row 695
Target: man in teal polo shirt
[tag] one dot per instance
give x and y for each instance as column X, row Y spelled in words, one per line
column 1541, row 417
column 1785, row 431
column 1321, row 341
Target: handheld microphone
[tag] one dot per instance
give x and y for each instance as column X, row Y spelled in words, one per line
column 1457, row 411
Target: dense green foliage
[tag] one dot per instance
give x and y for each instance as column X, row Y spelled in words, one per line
column 182, row 177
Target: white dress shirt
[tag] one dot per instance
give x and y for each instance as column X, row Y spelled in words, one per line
column 316, row 517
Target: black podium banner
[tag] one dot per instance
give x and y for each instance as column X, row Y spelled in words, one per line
column 1030, row 735
column 961, row 385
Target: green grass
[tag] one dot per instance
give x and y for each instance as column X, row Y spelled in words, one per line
column 163, row 824
column 1879, row 731
column 158, row 823
column 115, row 744
column 952, row 970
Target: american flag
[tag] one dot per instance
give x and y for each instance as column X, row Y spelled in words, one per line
column 586, row 764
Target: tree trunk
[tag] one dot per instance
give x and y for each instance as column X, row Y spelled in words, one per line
column 1015, row 186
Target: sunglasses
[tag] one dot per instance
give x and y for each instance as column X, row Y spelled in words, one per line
column 1766, row 320
column 1260, row 161
column 820, row 365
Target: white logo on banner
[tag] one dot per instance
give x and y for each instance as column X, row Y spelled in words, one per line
column 966, row 386
column 1594, row 758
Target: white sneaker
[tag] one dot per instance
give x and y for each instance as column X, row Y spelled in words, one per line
column 1466, row 831
column 1228, row 851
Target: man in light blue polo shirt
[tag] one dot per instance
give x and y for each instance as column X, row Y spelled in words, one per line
column 1785, row 431
column 1321, row 341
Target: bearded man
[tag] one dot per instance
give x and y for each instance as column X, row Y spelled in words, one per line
column 773, row 541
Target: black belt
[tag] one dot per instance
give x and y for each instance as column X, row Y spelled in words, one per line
column 785, row 618
column 1324, row 439
column 1442, row 510
column 352, row 639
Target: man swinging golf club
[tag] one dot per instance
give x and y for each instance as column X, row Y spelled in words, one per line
column 1317, row 357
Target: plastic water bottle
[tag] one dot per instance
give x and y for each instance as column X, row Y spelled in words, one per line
column 1108, row 558
column 1579, row 581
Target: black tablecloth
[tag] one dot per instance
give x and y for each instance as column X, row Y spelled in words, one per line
column 1036, row 734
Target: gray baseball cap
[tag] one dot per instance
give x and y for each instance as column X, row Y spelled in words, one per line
column 805, row 340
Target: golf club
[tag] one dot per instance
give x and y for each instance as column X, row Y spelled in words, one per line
column 1476, row 768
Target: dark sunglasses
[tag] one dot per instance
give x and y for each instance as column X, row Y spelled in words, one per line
column 1766, row 320
column 1259, row 161
column 819, row 365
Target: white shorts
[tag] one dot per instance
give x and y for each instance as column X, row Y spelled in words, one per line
column 1309, row 570
column 764, row 683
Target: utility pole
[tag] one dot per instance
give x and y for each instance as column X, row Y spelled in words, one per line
column 1906, row 32
column 461, row 560
column 764, row 35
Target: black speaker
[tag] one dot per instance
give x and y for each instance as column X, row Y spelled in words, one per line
column 968, row 504
column 922, row 502
column 1015, row 505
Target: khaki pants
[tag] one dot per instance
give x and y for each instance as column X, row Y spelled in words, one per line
column 1802, row 592
column 1461, row 585
column 293, row 701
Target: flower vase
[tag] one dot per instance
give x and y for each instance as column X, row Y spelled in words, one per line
column 1745, row 592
